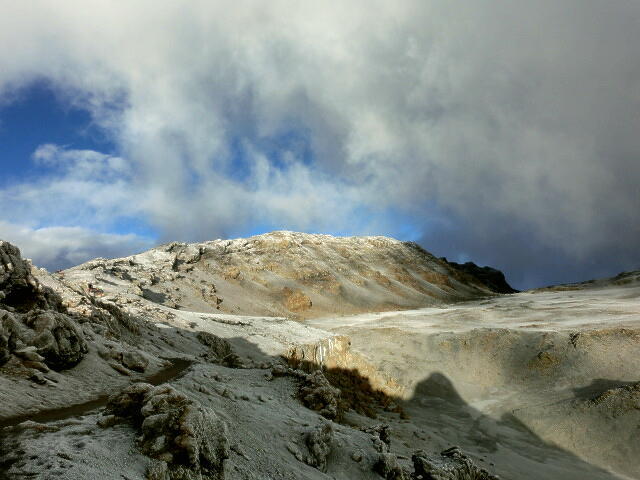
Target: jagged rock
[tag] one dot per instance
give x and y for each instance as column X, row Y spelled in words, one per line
column 57, row 338
column 7, row 337
column 317, row 394
column 220, row 350
column 380, row 432
column 190, row 438
column 494, row 279
column 33, row 322
column 29, row 354
column 318, row 444
column 36, row 366
column 135, row 361
column 452, row 465
column 387, row 467
column 19, row 289
column 127, row 404
column 115, row 311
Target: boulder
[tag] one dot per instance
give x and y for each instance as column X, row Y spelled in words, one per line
column 33, row 323
column 135, row 361
column 387, row 467
column 452, row 464
column 56, row 337
column 188, row 437
column 39, row 335
column 319, row 443
column 318, row 394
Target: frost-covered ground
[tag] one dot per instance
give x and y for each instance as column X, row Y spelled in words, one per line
column 561, row 363
column 537, row 385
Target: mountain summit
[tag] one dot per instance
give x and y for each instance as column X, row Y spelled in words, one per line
column 286, row 273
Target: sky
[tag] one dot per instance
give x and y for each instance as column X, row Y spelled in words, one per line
column 502, row 132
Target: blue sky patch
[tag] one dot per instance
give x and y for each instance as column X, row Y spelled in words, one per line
column 35, row 116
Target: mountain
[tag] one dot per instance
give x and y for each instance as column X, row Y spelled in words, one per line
column 285, row 273
column 492, row 278
column 142, row 368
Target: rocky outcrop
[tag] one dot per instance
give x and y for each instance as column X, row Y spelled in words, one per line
column 388, row 468
column 220, row 350
column 494, row 279
column 314, row 446
column 452, row 464
column 188, row 441
column 318, row 394
column 55, row 336
column 618, row 401
column 32, row 315
column 296, row 301
column 20, row 291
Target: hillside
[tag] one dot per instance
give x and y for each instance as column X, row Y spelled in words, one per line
column 131, row 368
column 283, row 273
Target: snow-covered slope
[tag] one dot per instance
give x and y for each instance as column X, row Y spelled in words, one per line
column 284, row 274
column 536, row 385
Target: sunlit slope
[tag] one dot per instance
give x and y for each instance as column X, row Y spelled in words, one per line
column 285, row 273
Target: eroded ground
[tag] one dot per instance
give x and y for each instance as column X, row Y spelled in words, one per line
column 536, row 385
column 560, row 364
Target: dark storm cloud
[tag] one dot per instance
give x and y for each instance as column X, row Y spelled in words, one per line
column 516, row 122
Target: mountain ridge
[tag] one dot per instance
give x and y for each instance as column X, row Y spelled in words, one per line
column 286, row 273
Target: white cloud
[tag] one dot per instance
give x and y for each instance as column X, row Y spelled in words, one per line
column 62, row 247
column 492, row 110
column 79, row 187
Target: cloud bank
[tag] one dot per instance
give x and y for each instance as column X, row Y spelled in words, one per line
column 483, row 124
column 64, row 247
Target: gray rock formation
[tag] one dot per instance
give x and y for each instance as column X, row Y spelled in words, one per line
column 20, row 291
column 318, row 394
column 319, row 444
column 32, row 316
column 220, row 350
column 451, row 465
column 494, row 279
column 387, row 467
column 189, row 438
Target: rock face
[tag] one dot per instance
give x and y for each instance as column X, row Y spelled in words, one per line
column 19, row 289
column 187, row 437
column 32, row 316
column 492, row 278
column 296, row 301
column 618, row 401
column 56, row 337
